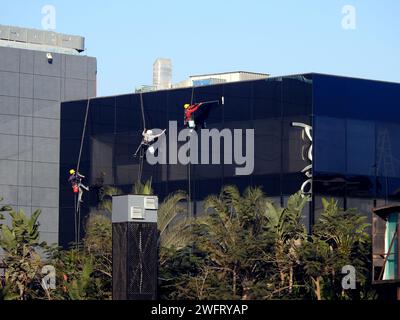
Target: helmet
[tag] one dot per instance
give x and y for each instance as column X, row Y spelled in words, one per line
column 187, row 105
column 149, row 131
column 72, row 171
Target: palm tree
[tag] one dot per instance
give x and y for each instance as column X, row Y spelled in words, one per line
column 231, row 234
column 288, row 232
column 339, row 238
column 173, row 224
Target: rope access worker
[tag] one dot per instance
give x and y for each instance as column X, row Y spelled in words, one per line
column 189, row 112
column 148, row 139
column 75, row 179
column 201, row 115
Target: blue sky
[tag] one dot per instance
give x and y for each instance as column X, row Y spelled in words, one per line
column 272, row 36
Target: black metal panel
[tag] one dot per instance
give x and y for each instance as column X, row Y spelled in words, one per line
column 119, row 256
column 135, row 261
column 142, row 261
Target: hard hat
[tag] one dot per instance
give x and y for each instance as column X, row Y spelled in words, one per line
column 187, row 105
column 72, row 171
column 149, row 132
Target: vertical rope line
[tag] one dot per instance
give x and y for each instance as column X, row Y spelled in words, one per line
column 142, row 107
column 77, row 204
column 189, row 168
column 83, row 136
column 79, row 224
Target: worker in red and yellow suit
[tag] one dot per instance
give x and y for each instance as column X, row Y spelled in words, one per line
column 189, row 111
column 75, row 179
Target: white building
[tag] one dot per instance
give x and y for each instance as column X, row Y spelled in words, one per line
column 162, row 74
column 215, row 78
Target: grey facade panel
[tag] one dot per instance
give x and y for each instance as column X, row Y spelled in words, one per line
column 9, row 84
column 46, row 109
column 25, row 147
column 24, row 196
column 9, row 60
column 49, row 128
column 9, row 105
column 46, row 150
column 92, row 89
column 76, row 67
column 27, row 61
column 25, row 107
column 24, row 173
column 47, row 88
column 8, row 147
column 45, row 175
column 8, row 172
column 8, row 124
column 26, row 85
column 75, row 88
column 91, row 68
column 45, row 197
column 25, row 126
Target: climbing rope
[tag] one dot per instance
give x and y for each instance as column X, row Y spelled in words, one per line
column 77, row 205
column 141, row 151
column 79, row 223
column 142, row 107
column 75, row 220
column 190, row 170
column 141, row 155
column 83, row 135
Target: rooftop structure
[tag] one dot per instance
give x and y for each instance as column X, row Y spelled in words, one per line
column 40, row 40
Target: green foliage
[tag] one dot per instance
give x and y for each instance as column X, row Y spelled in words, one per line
column 84, row 273
column 246, row 247
column 106, row 203
column 243, row 246
column 339, row 238
column 20, row 243
column 77, row 288
column 143, row 188
column 227, row 251
column 173, row 224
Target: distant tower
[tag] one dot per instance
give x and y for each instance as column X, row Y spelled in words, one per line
column 162, row 73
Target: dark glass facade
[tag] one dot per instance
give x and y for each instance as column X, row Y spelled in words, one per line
column 357, row 141
column 354, row 135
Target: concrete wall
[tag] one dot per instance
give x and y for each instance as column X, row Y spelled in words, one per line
column 31, row 90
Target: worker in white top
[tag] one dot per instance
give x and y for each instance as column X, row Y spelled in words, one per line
column 148, row 139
